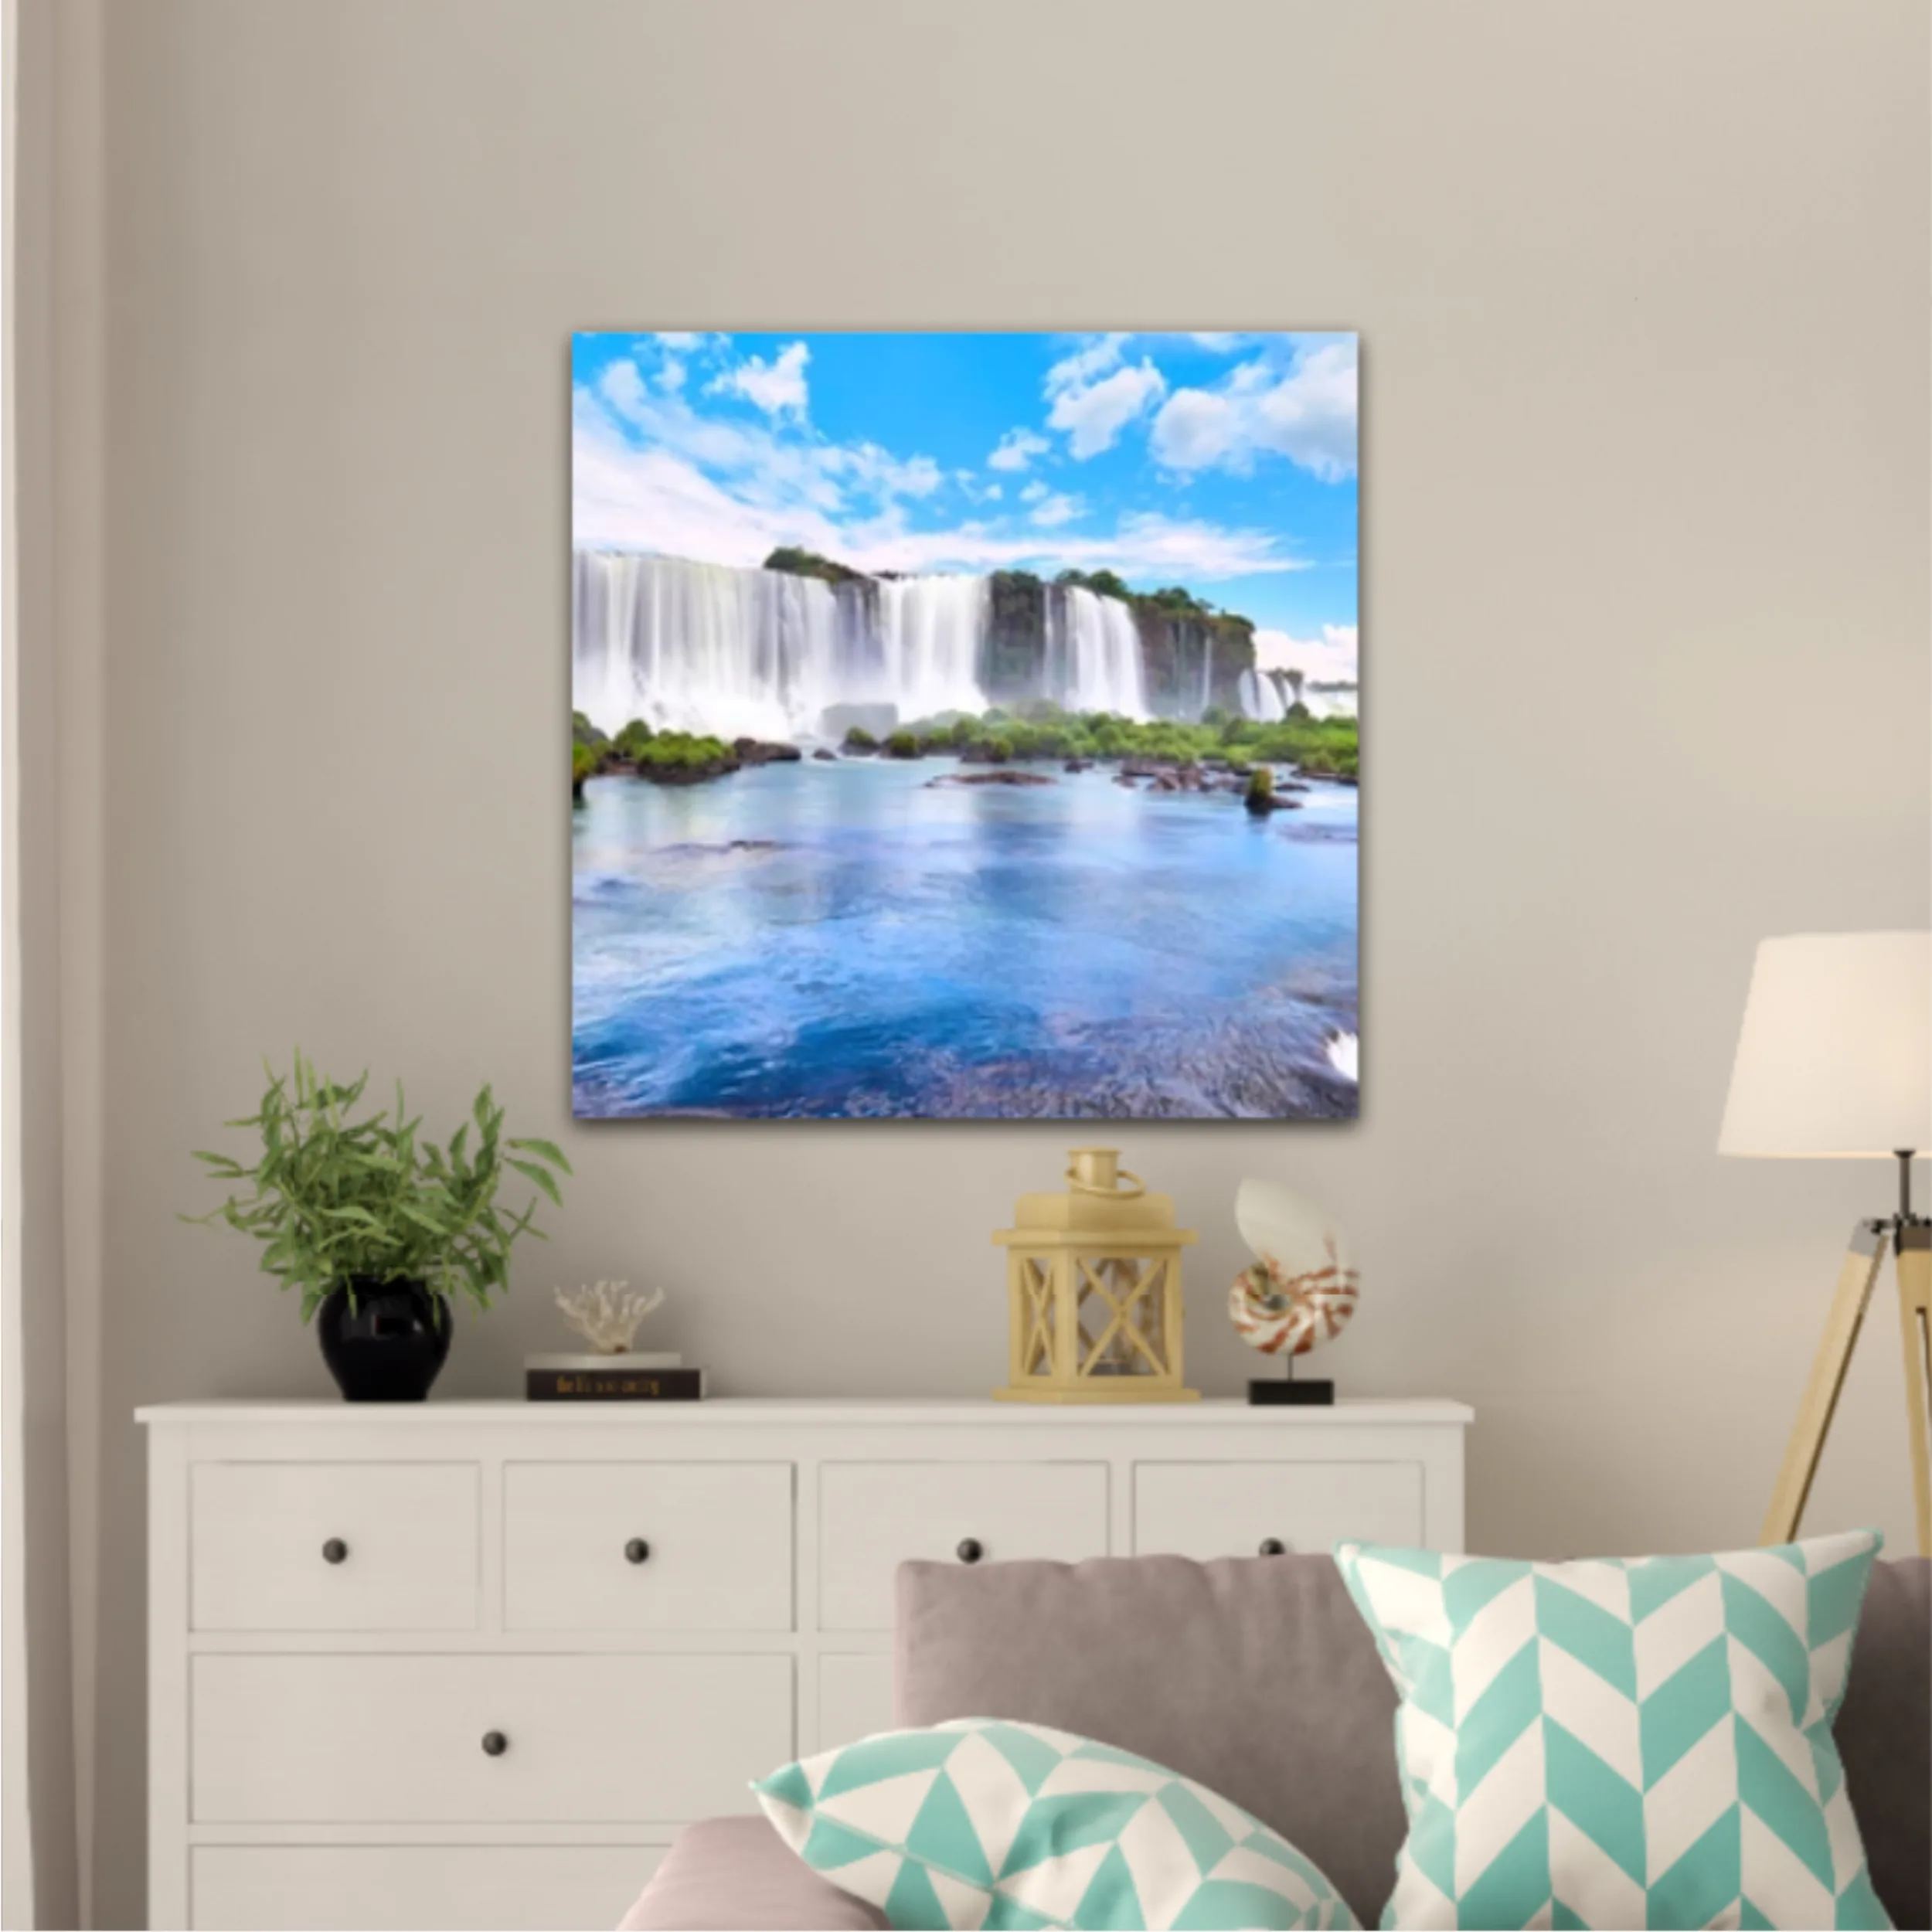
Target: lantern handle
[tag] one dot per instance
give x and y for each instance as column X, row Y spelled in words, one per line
column 1078, row 1186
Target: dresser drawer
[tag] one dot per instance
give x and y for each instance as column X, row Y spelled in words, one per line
column 389, row 1739
column 854, row 1698
column 1204, row 1509
column 334, row 1545
column 874, row 1516
column 415, row 1888
column 647, row 1546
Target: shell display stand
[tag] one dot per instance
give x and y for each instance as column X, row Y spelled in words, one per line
column 1314, row 1392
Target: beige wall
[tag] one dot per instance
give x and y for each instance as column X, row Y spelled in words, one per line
column 1643, row 292
column 40, row 1799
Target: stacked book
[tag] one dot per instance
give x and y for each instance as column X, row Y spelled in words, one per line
column 611, row 1378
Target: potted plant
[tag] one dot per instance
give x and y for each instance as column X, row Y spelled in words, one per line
column 378, row 1228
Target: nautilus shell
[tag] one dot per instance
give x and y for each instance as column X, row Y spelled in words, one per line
column 1302, row 1289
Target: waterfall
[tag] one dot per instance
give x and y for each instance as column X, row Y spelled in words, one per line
column 1330, row 704
column 1207, row 674
column 1094, row 654
column 931, row 628
column 698, row 647
column 703, row 647
column 1260, row 699
column 762, row 654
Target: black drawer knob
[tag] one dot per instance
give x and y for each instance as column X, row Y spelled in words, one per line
column 636, row 1550
column 335, row 1550
column 1273, row 1547
column 970, row 1550
column 494, row 1743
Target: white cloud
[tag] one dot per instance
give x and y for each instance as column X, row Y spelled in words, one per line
column 1165, row 549
column 1016, row 449
column 652, row 474
column 1308, row 414
column 1093, row 359
column 762, row 466
column 659, row 498
column 1052, row 510
column 680, row 340
column 1144, row 549
column 1331, row 657
column 1098, row 354
column 1094, row 414
column 1034, row 491
column 870, row 467
column 919, row 476
column 778, row 387
column 671, row 376
column 623, row 498
column 1195, row 428
column 622, row 387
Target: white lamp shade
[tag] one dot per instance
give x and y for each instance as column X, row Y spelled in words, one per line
column 1836, row 1056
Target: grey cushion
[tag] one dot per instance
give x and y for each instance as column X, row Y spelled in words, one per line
column 1257, row 1677
column 1254, row 1676
column 1884, row 1734
column 738, row 1875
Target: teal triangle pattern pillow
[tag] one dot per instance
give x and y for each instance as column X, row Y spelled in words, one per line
column 1623, row 1744
column 984, row 1823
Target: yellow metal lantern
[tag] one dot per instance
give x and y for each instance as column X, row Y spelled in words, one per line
column 1093, row 1290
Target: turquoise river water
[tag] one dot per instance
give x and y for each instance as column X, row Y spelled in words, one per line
column 854, row 939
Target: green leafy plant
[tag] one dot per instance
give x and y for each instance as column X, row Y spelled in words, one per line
column 631, row 741
column 336, row 1199
column 585, row 763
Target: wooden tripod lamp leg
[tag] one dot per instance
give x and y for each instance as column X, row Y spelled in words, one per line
column 1863, row 1259
column 1915, row 1318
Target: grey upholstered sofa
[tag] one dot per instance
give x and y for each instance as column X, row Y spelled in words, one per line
column 1256, row 1676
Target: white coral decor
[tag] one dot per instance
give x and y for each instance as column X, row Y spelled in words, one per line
column 607, row 1314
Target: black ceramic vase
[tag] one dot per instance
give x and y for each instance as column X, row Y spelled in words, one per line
column 384, row 1341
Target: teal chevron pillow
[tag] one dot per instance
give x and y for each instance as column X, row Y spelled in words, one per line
column 984, row 1823
column 1623, row 1744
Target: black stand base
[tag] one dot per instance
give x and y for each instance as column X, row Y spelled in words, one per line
column 1311, row 1394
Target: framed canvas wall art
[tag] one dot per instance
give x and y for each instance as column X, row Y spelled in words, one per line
column 965, row 726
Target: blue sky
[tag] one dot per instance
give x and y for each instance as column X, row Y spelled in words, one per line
column 1223, row 462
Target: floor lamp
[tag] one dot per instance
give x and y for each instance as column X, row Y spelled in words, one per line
column 1834, row 1060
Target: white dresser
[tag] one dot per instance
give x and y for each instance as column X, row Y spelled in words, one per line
column 472, row 1664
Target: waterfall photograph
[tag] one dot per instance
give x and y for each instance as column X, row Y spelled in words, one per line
column 964, row 727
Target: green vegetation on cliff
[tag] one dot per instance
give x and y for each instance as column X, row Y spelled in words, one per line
column 668, row 757
column 673, row 755
column 1325, row 747
column 797, row 562
column 632, row 741
column 1172, row 602
column 1101, row 583
column 1322, row 747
